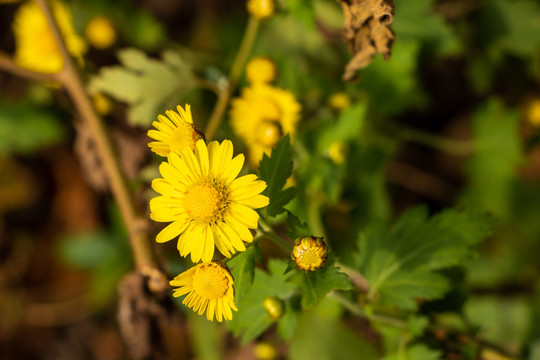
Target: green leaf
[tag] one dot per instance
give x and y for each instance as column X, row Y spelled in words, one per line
column 297, row 228
column 398, row 262
column 492, row 168
column 511, row 25
column 147, row 85
column 347, row 127
column 316, row 284
column 321, row 334
column 275, row 170
column 25, row 128
column 243, row 270
column 252, row 319
column 394, row 79
column 416, row 352
column 419, row 21
column 205, row 337
column 288, row 322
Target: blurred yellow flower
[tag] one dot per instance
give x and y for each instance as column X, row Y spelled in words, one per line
column 102, row 103
column 533, row 112
column 260, row 70
column 210, row 288
column 100, row 32
column 205, row 201
column 260, row 9
column 174, row 132
column 265, row 351
column 36, row 48
column 339, row 101
column 338, row 151
column 261, row 116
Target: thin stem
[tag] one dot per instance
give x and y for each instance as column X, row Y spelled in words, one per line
column 358, row 311
column 269, row 233
column 8, row 65
column 71, row 79
column 234, row 75
column 456, row 147
column 356, row 277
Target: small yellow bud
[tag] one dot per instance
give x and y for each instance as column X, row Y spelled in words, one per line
column 338, row 151
column 100, row 32
column 309, row 253
column 339, row 101
column 102, row 104
column 533, row 113
column 260, row 70
column 260, row 9
column 268, row 133
column 265, row 351
column 274, row 307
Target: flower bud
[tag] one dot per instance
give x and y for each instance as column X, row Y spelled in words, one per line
column 532, row 113
column 265, row 351
column 100, row 32
column 339, row 101
column 309, row 253
column 274, row 307
column 260, row 9
column 260, row 70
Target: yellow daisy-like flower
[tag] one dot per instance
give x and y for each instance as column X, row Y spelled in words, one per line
column 260, row 70
column 205, row 201
column 174, row 132
column 309, row 253
column 260, row 9
column 261, row 116
column 209, row 287
column 36, row 48
column 100, row 32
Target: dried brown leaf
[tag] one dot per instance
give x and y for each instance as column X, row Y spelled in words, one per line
column 367, row 32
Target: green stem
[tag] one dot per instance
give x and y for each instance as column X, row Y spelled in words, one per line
column 270, row 234
column 358, row 311
column 236, row 70
column 404, row 133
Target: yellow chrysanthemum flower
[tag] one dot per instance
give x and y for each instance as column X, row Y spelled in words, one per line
column 261, row 116
column 309, row 253
column 260, row 9
column 36, row 48
column 100, row 32
column 260, row 70
column 209, row 287
column 174, row 133
column 205, row 201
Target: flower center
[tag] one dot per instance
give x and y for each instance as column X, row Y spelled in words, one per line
column 311, row 258
column 207, row 201
column 181, row 138
column 268, row 133
column 210, row 281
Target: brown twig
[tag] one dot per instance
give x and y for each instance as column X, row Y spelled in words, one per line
column 8, row 65
column 70, row 78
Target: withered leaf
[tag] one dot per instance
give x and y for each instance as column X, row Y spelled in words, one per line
column 367, row 32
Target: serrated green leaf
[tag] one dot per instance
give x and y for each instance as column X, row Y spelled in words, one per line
column 243, row 270
column 417, row 324
column 275, row 170
column 252, row 319
column 297, row 228
column 399, row 262
column 25, row 128
column 492, row 168
column 147, row 85
column 316, row 284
